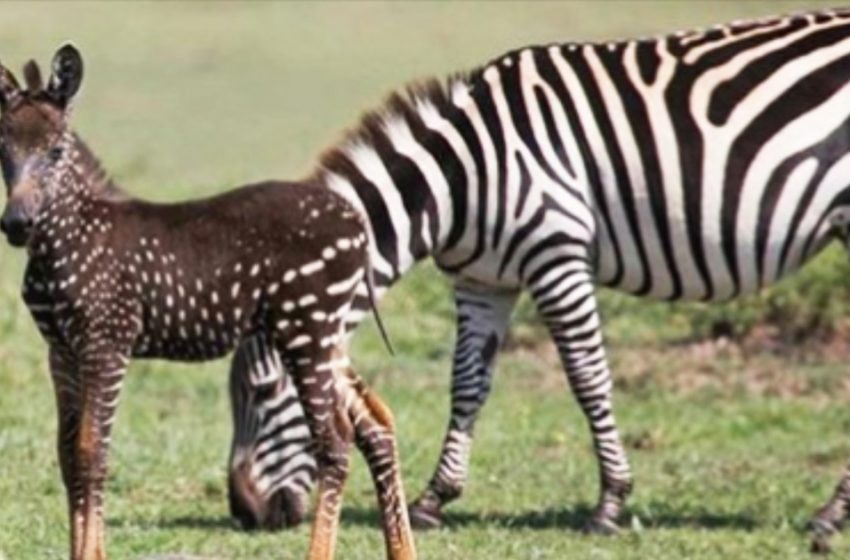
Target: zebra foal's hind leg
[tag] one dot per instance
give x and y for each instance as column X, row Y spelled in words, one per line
column 482, row 321
column 374, row 433
column 340, row 410
column 830, row 518
column 312, row 370
column 566, row 300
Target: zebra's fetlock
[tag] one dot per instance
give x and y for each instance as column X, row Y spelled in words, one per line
column 447, row 489
column 426, row 511
column 618, row 489
column 601, row 525
column 822, row 528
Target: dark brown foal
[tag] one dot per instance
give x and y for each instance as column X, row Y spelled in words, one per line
column 110, row 278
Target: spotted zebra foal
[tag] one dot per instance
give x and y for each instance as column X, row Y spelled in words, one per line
column 111, row 277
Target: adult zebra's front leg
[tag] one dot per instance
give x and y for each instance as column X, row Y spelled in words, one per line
column 829, row 519
column 482, row 321
column 565, row 298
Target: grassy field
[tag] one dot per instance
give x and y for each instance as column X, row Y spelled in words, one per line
column 732, row 449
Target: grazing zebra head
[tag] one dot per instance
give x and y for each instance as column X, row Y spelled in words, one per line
column 271, row 467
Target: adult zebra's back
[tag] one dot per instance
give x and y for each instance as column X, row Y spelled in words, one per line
column 702, row 165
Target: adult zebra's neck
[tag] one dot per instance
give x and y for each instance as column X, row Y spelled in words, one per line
column 404, row 168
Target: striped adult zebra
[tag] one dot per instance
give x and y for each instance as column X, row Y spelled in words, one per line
column 697, row 166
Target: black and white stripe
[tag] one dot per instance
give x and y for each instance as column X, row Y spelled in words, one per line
column 697, row 166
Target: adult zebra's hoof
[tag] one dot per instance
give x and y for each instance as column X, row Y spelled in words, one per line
column 821, row 530
column 820, row 545
column 601, row 526
column 425, row 514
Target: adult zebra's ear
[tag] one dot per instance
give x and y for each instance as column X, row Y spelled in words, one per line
column 66, row 76
column 10, row 91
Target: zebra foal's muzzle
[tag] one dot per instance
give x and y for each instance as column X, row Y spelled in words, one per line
column 17, row 222
column 22, row 209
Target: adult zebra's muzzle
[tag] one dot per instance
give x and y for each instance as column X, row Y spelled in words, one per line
column 251, row 511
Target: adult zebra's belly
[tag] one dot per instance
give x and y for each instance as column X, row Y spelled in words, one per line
column 707, row 270
column 487, row 271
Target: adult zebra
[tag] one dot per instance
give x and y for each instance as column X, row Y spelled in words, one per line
column 697, row 166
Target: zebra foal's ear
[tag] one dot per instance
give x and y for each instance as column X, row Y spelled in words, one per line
column 66, row 75
column 9, row 89
column 32, row 77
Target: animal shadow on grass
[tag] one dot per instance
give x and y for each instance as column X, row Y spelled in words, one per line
column 571, row 518
column 180, row 522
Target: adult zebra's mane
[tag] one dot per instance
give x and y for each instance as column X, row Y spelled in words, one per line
column 405, row 105
column 440, row 94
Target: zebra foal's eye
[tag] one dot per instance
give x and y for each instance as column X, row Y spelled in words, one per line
column 54, row 153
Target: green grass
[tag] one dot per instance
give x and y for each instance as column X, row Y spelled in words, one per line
column 731, row 453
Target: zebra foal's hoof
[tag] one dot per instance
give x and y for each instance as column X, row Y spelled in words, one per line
column 601, row 526
column 425, row 516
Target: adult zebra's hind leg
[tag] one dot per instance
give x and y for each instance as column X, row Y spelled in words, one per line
column 830, row 518
column 482, row 320
column 566, row 300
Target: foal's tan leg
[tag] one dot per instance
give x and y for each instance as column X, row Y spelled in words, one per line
column 374, row 431
column 340, row 408
column 101, row 372
column 312, row 370
column 331, row 485
column 89, row 455
column 63, row 372
column 83, row 427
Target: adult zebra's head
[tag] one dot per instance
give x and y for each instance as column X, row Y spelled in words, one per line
column 272, row 469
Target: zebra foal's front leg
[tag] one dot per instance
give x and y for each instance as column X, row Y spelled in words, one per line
column 100, row 373
column 482, row 321
column 831, row 517
column 65, row 377
column 567, row 302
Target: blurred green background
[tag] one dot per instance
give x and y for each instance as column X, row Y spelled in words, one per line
column 733, row 444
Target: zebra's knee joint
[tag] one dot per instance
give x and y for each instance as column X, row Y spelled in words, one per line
column 380, row 411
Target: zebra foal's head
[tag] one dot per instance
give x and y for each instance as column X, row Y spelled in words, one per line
column 35, row 141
